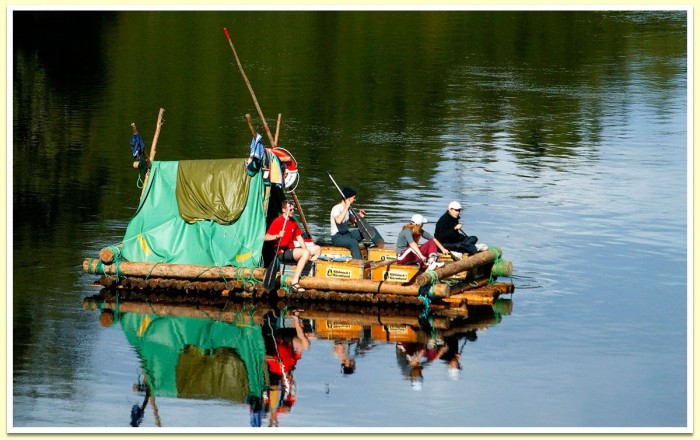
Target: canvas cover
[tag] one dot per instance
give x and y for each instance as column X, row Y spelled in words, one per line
column 227, row 203
column 204, row 190
column 229, row 358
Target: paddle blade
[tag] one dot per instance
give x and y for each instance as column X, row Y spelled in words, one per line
column 271, row 275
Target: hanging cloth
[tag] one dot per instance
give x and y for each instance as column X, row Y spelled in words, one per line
column 137, row 147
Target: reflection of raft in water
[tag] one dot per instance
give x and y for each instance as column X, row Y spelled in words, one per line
column 194, row 348
column 199, row 229
column 380, row 322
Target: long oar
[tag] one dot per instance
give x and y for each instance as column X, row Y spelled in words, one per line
column 273, row 141
column 272, row 269
column 250, row 89
column 294, row 195
column 364, row 227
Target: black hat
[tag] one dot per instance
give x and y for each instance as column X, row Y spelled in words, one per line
column 348, row 192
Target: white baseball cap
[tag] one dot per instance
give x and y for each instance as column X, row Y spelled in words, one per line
column 418, row 219
column 454, row 205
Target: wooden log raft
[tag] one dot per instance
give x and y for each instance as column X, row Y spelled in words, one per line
column 369, row 286
column 166, row 270
column 478, row 259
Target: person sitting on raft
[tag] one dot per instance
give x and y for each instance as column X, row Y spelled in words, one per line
column 285, row 231
column 408, row 251
column 341, row 234
column 449, row 231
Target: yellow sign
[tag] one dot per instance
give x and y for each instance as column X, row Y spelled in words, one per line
column 335, row 272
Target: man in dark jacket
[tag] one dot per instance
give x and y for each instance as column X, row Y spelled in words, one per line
column 449, row 231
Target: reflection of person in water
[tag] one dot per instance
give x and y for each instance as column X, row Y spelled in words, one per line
column 451, row 353
column 341, row 351
column 137, row 411
column 409, row 355
column 283, row 348
column 412, row 357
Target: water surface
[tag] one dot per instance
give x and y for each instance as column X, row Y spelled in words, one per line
column 563, row 134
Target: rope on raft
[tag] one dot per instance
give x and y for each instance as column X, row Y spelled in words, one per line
column 495, row 262
column 425, row 293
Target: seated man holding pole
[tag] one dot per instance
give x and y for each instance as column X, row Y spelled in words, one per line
column 286, row 231
column 341, row 234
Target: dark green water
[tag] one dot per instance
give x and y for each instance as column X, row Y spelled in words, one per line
column 564, row 135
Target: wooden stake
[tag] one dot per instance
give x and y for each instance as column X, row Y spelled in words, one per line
column 152, row 154
column 159, row 123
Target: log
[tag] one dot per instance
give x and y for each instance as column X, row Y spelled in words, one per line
column 468, row 285
column 107, row 254
column 369, row 286
column 478, row 259
column 167, row 270
column 477, row 297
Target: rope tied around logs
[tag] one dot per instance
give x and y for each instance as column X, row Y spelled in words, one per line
column 283, row 279
column 116, row 263
column 151, row 271
column 425, row 293
column 495, row 262
column 240, row 275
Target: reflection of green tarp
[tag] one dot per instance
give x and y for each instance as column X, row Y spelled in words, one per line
column 221, row 375
column 172, row 351
column 212, row 189
column 157, row 233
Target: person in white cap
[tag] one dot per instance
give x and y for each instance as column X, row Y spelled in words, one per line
column 449, row 231
column 407, row 249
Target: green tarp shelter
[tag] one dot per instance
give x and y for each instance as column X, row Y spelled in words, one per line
column 203, row 212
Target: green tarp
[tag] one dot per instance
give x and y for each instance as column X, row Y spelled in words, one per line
column 204, row 190
column 158, row 233
column 198, row 358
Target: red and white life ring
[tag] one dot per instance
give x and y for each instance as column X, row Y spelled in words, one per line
column 291, row 172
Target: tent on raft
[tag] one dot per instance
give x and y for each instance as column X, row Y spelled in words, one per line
column 202, row 212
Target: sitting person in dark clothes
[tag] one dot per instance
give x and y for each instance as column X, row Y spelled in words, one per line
column 449, row 231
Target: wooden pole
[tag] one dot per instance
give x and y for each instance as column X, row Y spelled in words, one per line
column 168, row 270
column 250, row 124
column 250, row 89
column 478, row 259
column 159, row 123
column 277, row 129
column 375, row 264
column 152, row 153
column 294, row 195
column 368, row 286
column 273, row 141
column 301, row 212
